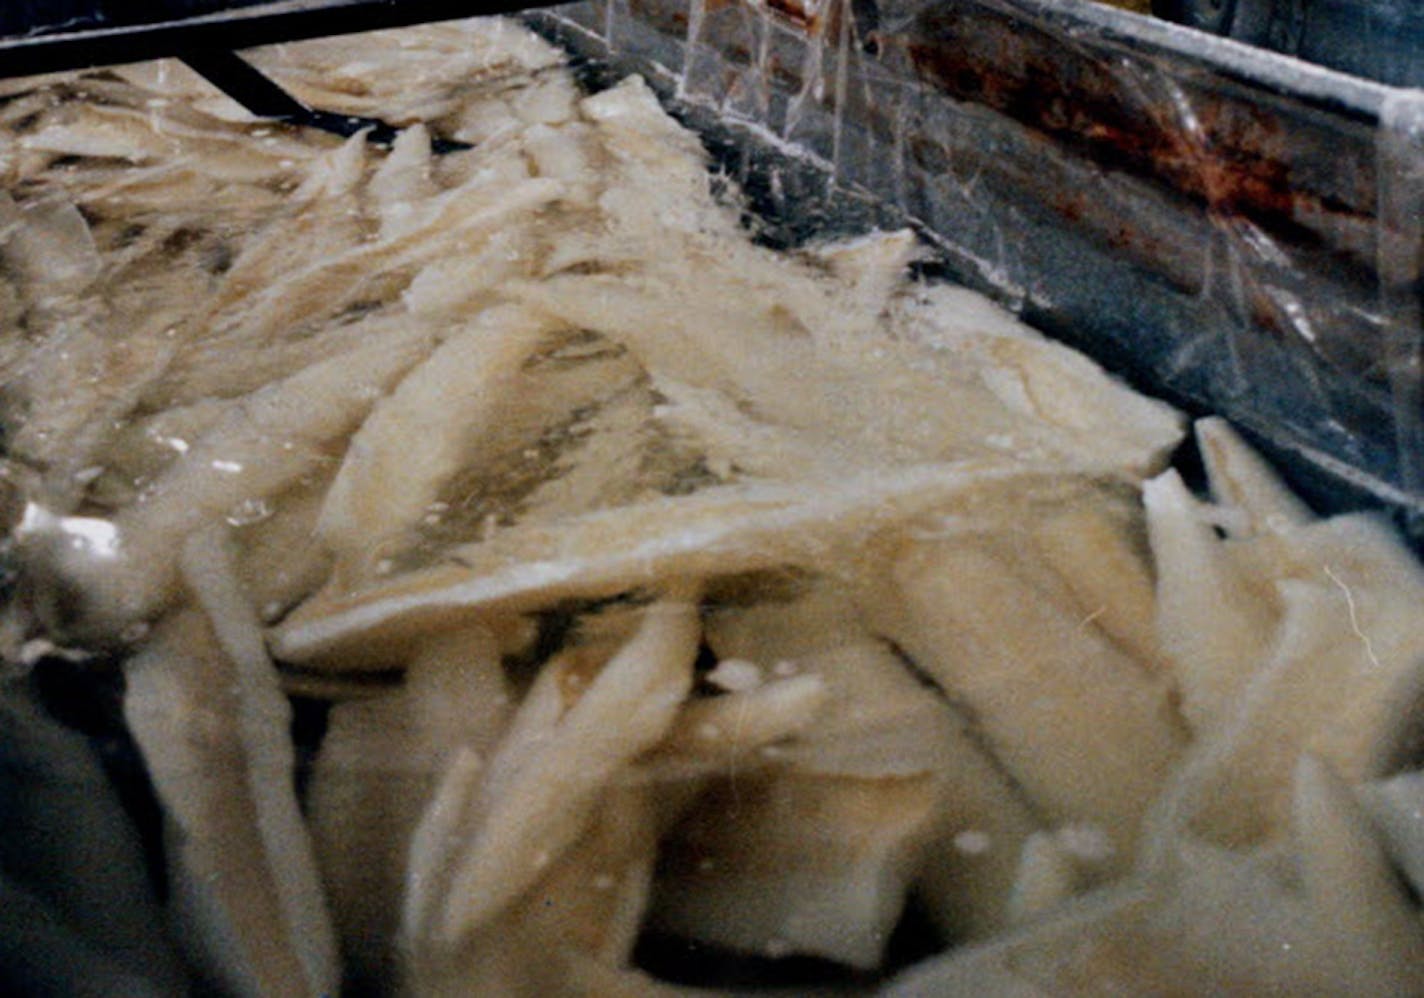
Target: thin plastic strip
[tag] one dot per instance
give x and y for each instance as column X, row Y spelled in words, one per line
column 1401, row 276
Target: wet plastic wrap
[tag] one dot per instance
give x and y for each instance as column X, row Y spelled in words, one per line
column 1379, row 39
column 1230, row 228
column 1233, row 229
column 639, row 607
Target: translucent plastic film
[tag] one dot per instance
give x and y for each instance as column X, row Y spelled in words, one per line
column 1401, row 270
column 509, row 571
column 1234, row 229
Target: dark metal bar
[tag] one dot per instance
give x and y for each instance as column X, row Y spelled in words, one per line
column 243, row 82
column 247, row 85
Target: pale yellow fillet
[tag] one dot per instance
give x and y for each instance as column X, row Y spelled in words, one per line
column 810, row 865
column 256, row 450
column 1110, row 575
column 1242, row 481
column 416, row 437
column 452, row 287
column 881, row 723
column 1081, row 727
column 716, row 531
column 323, row 215
column 47, row 247
column 970, row 868
column 224, row 368
column 1046, row 877
column 1203, row 921
column 786, row 796
column 279, row 558
column 81, row 386
column 569, row 153
column 318, row 290
column 1396, row 805
column 139, row 136
column 402, row 180
column 1342, row 681
column 147, row 444
column 376, row 774
column 420, row 69
column 825, row 395
column 878, row 719
column 1355, row 894
column 168, row 186
column 1058, row 392
column 198, row 730
column 873, row 265
column 573, row 435
column 208, row 572
column 715, row 734
column 1215, row 622
column 573, row 931
column 545, row 779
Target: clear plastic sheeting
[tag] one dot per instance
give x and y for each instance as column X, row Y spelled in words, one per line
column 1230, row 228
column 493, row 573
column 1380, row 39
column 1401, row 270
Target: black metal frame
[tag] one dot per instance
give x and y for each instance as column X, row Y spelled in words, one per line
column 206, row 34
column 49, row 48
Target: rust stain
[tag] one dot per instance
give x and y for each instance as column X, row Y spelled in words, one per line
column 1070, row 206
column 1229, row 156
column 659, row 16
column 795, row 12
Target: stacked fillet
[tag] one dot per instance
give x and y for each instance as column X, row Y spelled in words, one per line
column 657, row 582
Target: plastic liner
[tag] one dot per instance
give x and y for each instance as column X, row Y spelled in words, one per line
column 1401, row 271
column 1232, row 229
column 1380, row 39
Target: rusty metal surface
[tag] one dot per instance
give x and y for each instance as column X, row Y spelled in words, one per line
column 1203, row 217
